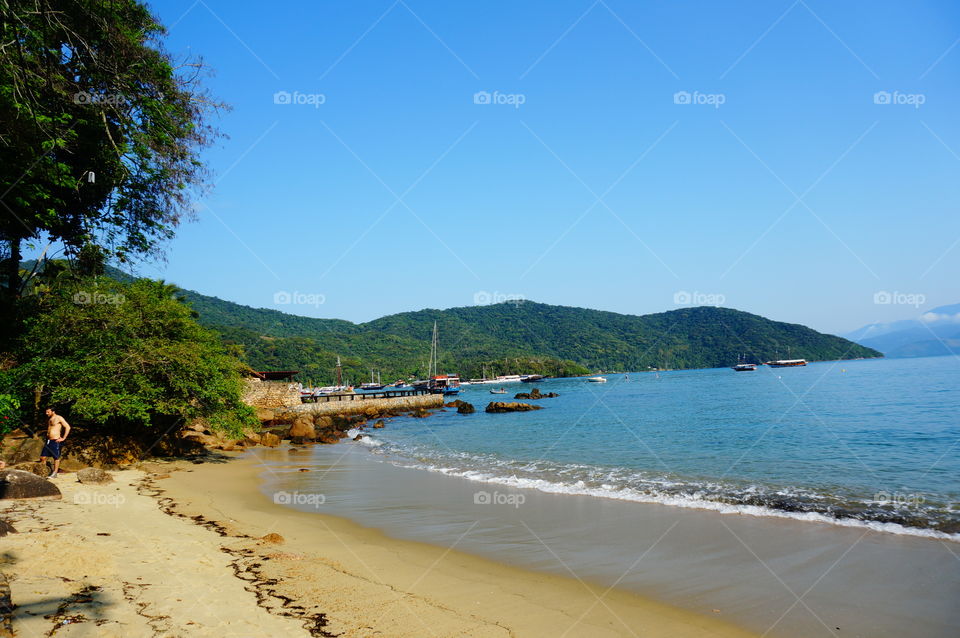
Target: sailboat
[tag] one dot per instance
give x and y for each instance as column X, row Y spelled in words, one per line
column 743, row 366
column 446, row 384
column 373, row 385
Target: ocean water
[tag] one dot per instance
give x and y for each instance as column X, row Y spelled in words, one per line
column 871, row 443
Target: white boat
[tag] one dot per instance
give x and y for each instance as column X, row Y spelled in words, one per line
column 596, row 380
column 500, row 391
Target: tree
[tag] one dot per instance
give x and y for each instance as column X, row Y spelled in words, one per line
column 100, row 130
column 124, row 356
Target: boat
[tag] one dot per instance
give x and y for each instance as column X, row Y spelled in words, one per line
column 500, row 391
column 787, row 363
column 445, row 384
column 373, row 385
column 743, row 366
column 531, row 378
column 508, row 378
column 596, row 380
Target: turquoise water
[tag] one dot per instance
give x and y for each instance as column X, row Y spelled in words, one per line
column 873, row 442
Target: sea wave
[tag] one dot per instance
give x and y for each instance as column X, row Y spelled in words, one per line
column 905, row 517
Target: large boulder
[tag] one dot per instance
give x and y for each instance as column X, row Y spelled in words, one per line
column 503, row 406
column 34, row 467
column 20, row 484
column 94, row 476
column 269, row 439
column 464, row 408
column 6, row 528
column 302, row 430
column 20, row 448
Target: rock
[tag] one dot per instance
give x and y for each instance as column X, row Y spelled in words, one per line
column 502, row 406
column 269, row 439
column 94, row 476
column 265, row 414
column 6, row 528
column 159, row 477
column 379, row 424
column 302, row 430
column 358, row 437
column 323, row 422
column 34, row 467
column 329, row 438
column 20, row 484
column 304, row 469
column 71, row 465
column 251, row 438
column 535, row 394
column 272, row 537
column 465, row 408
column 21, row 449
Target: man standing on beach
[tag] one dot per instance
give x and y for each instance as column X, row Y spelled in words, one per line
column 57, row 431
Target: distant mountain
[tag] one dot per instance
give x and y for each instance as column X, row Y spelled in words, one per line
column 934, row 333
column 517, row 337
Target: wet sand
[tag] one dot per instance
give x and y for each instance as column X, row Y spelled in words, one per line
column 774, row 576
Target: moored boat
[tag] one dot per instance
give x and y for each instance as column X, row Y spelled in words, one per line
column 787, row 363
column 596, row 379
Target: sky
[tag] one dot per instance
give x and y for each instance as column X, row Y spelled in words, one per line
column 798, row 160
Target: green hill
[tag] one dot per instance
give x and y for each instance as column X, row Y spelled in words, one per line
column 515, row 337
column 511, row 337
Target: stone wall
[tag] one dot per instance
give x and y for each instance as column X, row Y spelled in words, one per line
column 422, row 401
column 271, row 394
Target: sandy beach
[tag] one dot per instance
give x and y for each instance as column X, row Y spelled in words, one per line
column 199, row 551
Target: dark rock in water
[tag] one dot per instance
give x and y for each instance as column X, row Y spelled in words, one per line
column 20, row 484
column 379, row 424
column 503, row 406
column 6, row 528
column 465, row 408
column 358, row 437
column 94, row 476
column 535, row 394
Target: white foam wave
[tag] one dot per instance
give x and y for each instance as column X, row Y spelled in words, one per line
column 693, row 499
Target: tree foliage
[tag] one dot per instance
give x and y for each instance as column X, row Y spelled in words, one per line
column 127, row 355
column 99, row 128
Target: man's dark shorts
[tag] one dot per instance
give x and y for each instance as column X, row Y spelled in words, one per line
column 51, row 448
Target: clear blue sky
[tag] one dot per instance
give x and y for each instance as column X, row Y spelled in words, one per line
column 797, row 198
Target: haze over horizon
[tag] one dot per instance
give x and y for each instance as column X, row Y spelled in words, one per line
column 796, row 159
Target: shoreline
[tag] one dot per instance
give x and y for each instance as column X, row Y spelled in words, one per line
column 200, row 551
column 402, row 584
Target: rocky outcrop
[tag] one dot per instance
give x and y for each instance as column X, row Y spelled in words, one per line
column 6, row 528
column 39, row 469
column 462, row 406
column 94, row 476
column 302, row 430
column 535, row 394
column 503, row 406
column 269, row 439
column 16, row 484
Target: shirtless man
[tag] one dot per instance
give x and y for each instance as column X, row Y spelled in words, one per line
column 57, row 431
